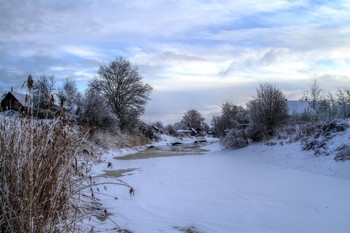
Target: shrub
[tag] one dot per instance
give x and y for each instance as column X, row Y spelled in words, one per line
column 255, row 132
column 343, row 153
column 234, row 139
column 40, row 176
column 97, row 114
column 315, row 135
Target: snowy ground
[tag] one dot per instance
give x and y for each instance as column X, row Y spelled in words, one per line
column 255, row 189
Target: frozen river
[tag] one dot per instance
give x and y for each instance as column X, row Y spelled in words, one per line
column 207, row 190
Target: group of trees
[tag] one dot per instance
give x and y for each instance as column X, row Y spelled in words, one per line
column 335, row 104
column 264, row 115
column 116, row 97
column 47, row 98
column 329, row 105
column 258, row 120
column 237, row 124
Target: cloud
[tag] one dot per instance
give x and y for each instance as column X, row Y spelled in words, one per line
column 82, row 52
column 250, row 60
column 198, row 52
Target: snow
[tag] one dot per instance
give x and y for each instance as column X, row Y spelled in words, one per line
column 259, row 188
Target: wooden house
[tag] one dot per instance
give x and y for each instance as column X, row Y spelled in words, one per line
column 14, row 101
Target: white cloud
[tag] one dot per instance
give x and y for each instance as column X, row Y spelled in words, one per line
column 57, row 68
column 82, row 52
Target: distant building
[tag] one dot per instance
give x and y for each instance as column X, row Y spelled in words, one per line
column 299, row 107
column 14, row 101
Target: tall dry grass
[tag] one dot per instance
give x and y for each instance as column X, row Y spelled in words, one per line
column 116, row 140
column 41, row 178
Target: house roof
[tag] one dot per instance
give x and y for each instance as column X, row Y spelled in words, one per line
column 20, row 97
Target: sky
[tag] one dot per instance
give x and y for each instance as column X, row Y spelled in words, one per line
column 196, row 54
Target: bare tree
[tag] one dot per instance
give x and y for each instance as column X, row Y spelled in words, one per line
column 121, row 84
column 315, row 94
column 267, row 111
column 43, row 90
column 343, row 99
column 328, row 105
column 69, row 95
column 193, row 119
column 232, row 116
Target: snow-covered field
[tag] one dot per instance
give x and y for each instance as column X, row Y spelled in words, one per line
column 255, row 189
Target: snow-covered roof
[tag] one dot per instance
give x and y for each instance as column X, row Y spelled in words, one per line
column 299, row 107
column 20, row 97
column 184, row 131
column 191, row 130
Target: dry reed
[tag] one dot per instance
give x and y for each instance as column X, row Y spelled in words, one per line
column 41, row 178
column 116, row 140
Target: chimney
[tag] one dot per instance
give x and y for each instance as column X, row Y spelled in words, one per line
column 11, row 89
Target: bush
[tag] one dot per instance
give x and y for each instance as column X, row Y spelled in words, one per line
column 147, row 131
column 96, row 113
column 343, row 154
column 315, row 135
column 255, row 132
column 234, row 139
column 108, row 139
column 40, row 176
column 324, row 129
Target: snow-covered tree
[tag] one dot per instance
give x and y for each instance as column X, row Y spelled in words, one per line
column 193, row 119
column 69, row 95
column 232, row 116
column 315, row 94
column 314, row 97
column 267, row 111
column 121, row 84
column 43, row 91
